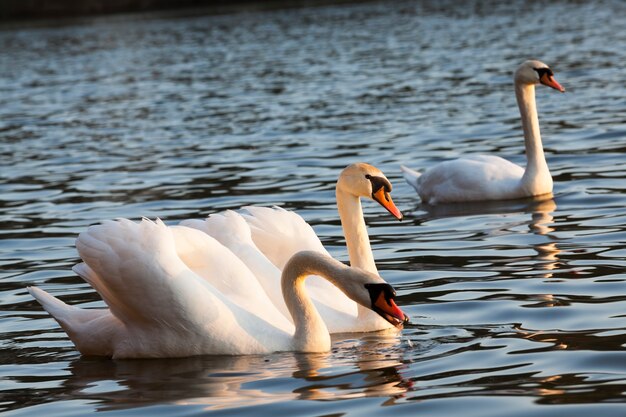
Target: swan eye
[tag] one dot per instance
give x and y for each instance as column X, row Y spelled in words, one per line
column 381, row 187
column 544, row 71
column 385, row 289
column 382, row 298
column 378, row 183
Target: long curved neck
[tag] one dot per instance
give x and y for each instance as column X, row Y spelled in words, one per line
column 359, row 250
column 353, row 224
column 311, row 332
column 536, row 161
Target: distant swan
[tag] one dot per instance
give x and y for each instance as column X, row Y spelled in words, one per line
column 265, row 238
column 157, row 283
column 486, row 177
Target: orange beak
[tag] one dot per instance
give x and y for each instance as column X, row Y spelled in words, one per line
column 384, row 199
column 390, row 311
column 549, row 80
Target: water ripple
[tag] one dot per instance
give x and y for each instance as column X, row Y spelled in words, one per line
column 516, row 307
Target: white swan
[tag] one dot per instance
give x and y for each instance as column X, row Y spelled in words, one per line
column 160, row 307
column 486, row 177
column 272, row 235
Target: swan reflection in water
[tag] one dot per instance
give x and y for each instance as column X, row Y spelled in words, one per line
column 544, row 264
column 359, row 366
column 541, row 224
column 541, row 209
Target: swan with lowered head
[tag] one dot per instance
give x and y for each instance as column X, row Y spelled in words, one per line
column 160, row 307
column 265, row 238
column 486, row 177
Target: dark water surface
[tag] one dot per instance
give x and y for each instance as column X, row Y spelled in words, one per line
column 519, row 308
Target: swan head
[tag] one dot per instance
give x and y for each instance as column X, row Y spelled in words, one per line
column 364, row 287
column 382, row 297
column 364, row 180
column 373, row 292
column 536, row 72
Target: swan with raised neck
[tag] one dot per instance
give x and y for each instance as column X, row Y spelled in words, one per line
column 265, row 238
column 536, row 179
column 157, row 306
column 356, row 181
column 487, row 177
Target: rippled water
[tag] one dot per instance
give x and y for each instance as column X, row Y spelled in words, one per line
column 518, row 308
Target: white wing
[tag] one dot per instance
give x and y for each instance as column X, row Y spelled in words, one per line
column 167, row 308
column 228, row 273
column 280, row 233
column 140, row 276
column 232, row 231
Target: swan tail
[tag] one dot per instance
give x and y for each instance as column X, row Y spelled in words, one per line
column 411, row 176
column 69, row 317
column 91, row 330
column 61, row 312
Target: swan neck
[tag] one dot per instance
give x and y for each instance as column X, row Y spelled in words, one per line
column 355, row 231
column 311, row 334
column 359, row 249
column 536, row 160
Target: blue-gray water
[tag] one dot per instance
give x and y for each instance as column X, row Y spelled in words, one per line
column 519, row 308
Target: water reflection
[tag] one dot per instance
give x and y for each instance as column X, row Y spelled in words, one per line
column 553, row 389
column 540, row 205
column 376, row 372
column 214, row 382
column 180, row 117
column 541, row 223
column 524, row 373
column 357, row 367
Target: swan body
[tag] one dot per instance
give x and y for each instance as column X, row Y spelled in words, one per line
column 161, row 289
column 485, row 177
column 231, row 229
column 275, row 234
